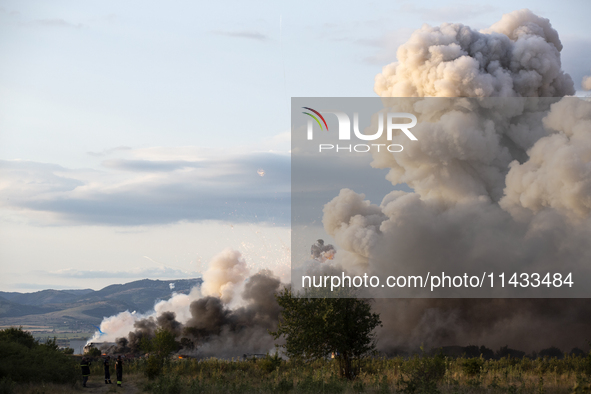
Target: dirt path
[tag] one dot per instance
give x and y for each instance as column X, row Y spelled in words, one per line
column 132, row 385
column 100, row 387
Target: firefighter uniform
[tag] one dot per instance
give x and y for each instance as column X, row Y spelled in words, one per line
column 85, row 366
column 119, row 370
column 107, row 372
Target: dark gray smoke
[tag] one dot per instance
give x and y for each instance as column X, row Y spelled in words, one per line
column 321, row 252
column 524, row 324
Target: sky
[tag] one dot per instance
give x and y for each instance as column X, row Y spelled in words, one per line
column 139, row 139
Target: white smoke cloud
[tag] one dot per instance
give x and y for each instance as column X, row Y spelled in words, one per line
column 179, row 304
column 225, row 271
column 558, row 172
column 519, row 56
column 497, row 183
column 116, row 326
column 586, row 83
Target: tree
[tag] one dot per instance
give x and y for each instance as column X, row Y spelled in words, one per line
column 316, row 328
column 93, row 352
column 68, row 350
column 160, row 348
column 24, row 359
column 17, row 335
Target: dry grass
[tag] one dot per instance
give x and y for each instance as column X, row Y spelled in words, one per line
column 188, row 376
column 131, row 384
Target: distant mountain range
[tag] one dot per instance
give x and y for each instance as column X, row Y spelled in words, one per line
column 75, row 309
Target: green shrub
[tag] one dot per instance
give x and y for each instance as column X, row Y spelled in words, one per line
column 283, row 386
column 587, row 365
column 167, row 385
column 582, row 386
column 93, row 352
column 423, row 374
column 358, row 387
column 17, row 335
column 310, row 385
column 472, row 366
column 25, row 360
column 153, row 367
column 68, row 350
column 269, row 363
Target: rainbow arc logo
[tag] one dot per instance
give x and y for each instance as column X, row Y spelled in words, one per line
column 315, row 118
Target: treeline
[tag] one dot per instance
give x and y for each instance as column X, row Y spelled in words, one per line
column 472, row 351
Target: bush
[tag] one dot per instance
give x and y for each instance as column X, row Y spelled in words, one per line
column 283, row 386
column 93, row 352
column 310, row 385
column 160, row 348
column 587, row 365
column 269, row 363
column 472, row 366
column 423, row 374
column 25, row 360
column 167, row 385
column 17, row 335
column 153, row 367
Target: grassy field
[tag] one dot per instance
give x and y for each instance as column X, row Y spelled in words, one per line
column 429, row 375
column 415, row 375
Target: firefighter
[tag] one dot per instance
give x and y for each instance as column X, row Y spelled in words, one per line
column 119, row 370
column 107, row 372
column 85, row 365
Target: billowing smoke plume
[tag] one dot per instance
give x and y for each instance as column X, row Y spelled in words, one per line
column 225, row 271
column 229, row 316
column 500, row 183
column 519, row 56
column 505, row 189
column 525, row 324
column 221, row 332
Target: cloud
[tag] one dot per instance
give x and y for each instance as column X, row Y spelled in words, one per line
column 53, row 22
column 42, row 286
column 107, row 152
column 454, row 12
column 158, row 272
column 149, row 165
column 388, row 45
column 576, row 57
column 151, row 191
column 11, row 13
column 248, row 34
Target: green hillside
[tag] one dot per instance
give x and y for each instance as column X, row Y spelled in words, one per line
column 77, row 311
